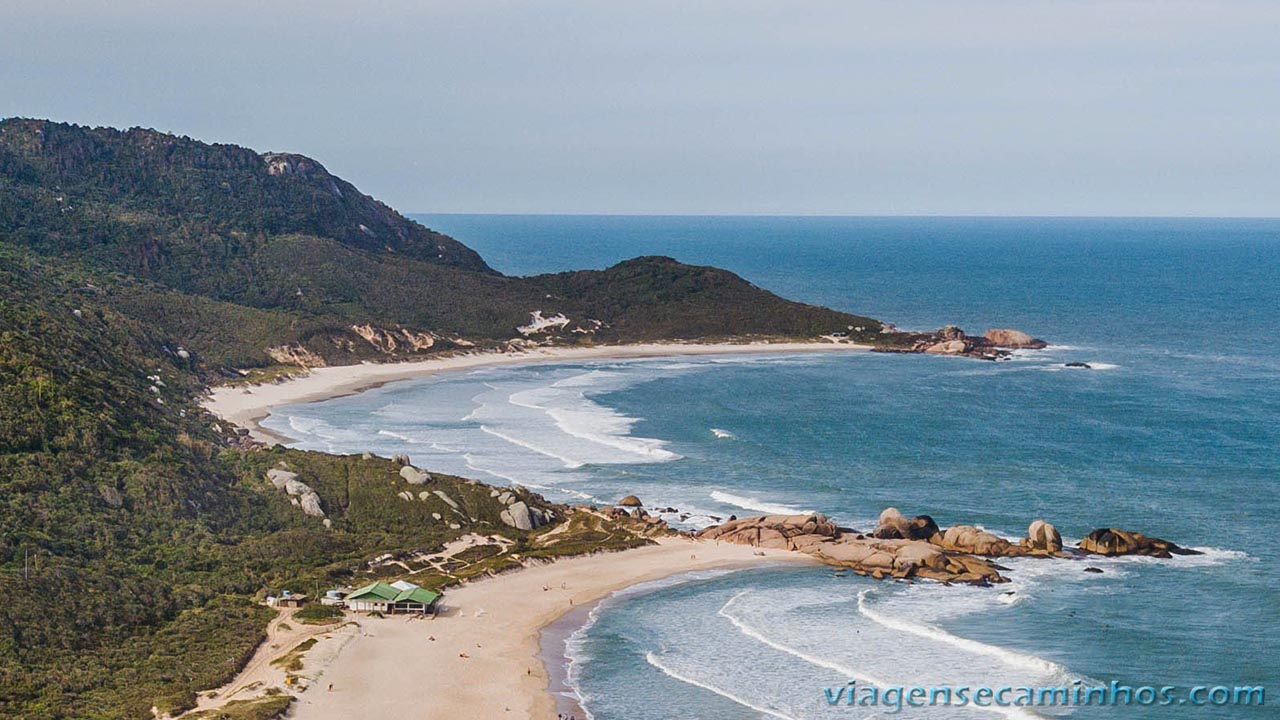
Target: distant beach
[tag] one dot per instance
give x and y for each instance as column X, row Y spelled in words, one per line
column 248, row 406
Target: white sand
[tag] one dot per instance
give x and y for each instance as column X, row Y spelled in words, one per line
column 247, row 406
column 391, row 668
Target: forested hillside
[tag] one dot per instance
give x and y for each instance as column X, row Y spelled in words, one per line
column 247, row 258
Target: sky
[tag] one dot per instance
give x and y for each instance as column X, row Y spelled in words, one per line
column 849, row 107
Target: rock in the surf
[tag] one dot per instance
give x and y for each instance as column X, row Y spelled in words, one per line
column 893, row 525
column 1042, row 537
column 1113, row 541
column 630, row 501
column 969, row 539
column 1014, row 339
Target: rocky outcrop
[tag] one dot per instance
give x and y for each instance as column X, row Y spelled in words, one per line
column 951, row 340
column 1013, row 339
column 894, row 526
column 818, row 536
column 904, row 559
column 280, row 477
column 974, row 541
column 299, row 493
column 447, row 500
column 1111, row 541
column 414, row 476
column 630, row 501
column 1042, row 538
column 781, row 532
column 521, row 516
column 915, row 548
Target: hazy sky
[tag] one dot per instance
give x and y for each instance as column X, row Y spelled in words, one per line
column 848, row 107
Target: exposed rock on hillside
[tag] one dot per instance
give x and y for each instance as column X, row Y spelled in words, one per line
column 300, row 493
column 414, row 476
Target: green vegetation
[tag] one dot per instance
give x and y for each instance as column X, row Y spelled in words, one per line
column 292, row 660
column 317, row 614
column 261, row 709
column 135, row 268
column 228, row 253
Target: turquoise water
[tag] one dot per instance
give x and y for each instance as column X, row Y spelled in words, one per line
column 1174, row 433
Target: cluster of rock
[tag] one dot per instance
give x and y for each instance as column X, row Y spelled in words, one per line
column 1110, row 542
column 903, row 548
column 299, row 493
column 520, row 514
column 888, row 555
column 951, row 340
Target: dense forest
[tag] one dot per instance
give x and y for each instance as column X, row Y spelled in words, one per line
column 135, row 268
column 231, row 252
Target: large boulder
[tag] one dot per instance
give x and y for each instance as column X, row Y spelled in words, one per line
column 414, row 476
column 1112, row 541
column 1015, row 339
column 296, row 487
column 950, row 332
column 279, row 478
column 894, row 525
column 447, row 500
column 971, row 540
column 1042, row 537
column 630, row 501
column 310, row 504
column 517, row 516
column 949, row 347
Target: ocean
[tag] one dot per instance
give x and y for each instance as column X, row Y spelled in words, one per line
column 1175, row 432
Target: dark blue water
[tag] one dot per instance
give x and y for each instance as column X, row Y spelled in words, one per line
column 1174, row 433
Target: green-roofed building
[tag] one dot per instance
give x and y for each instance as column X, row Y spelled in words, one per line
column 403, row 597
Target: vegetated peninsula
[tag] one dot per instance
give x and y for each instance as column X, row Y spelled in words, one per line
column 137, row 268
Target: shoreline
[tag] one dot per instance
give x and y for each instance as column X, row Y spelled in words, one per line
column 248, row 406
column 486, row 655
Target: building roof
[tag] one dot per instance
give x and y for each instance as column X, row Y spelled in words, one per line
column 404, row 585
column 375, row 591
column 417, row 595
column 389, row 593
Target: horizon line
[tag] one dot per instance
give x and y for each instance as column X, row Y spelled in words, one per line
column 869, row 216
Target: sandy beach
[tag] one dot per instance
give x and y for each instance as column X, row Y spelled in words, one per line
column 248, row 406
column 484, row 659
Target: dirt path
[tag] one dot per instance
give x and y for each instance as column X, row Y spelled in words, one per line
column 283, row 635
